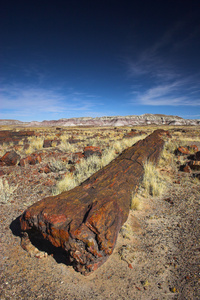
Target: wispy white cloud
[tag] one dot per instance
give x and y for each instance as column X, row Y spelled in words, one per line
column 168, row 95
column 33, row 103
column 158, row 79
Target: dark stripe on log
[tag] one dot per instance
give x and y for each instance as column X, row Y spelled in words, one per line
column 86, row 220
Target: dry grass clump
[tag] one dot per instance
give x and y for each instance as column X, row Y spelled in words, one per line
column 136, row 202
column 5, row 190
column 2, row 151
column 91, row 165
column 65, row 146
column 186, row 139
column 5, row 147
column 84, row 169
column 35, row 143
column 57, row 165
column 127, row 253
column 167, row 157
column 121, row 145
column 153, row 183
column 66, row 184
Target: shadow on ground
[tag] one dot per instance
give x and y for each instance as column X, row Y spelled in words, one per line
column 38, row 241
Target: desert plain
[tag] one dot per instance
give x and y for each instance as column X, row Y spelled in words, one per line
column 157, row 251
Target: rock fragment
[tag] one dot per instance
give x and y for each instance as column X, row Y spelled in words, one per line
column 91, row 150
column 11, row 158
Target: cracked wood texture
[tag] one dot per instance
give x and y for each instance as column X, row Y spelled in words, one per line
column 86, row 220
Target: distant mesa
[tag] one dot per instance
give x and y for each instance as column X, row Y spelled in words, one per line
column 145, row 119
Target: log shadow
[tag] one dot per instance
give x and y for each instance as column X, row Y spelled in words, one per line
column 38, row 241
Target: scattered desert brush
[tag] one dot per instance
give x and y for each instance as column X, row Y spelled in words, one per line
column 167, row 157
column 35, row 143
column 57, row 165
column 153, row 183
column 136, row 201
column 6, row 190
column 91, row 165
column 84, row 169
column 121, row 145
column 65, row 146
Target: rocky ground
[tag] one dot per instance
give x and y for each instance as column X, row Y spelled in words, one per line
column 156, row 255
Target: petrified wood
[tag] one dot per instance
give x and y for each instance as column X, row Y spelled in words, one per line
column 7, row 136
column 86, row 220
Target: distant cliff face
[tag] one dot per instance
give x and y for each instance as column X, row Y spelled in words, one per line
column 146, row 119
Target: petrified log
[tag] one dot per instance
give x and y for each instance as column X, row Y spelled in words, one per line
column 7, row 136
column 86, row 220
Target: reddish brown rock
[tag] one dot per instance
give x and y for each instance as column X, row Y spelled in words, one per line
column 47, row 143
column 2, row 173
column 187, row 169
column 50, row 143
column 45, row 170
column 7, row 136
column 194, row 165
column 11, row 158
column 197, row 176
column 182, row 151
column 72, row 169
column 197, row 156
column 78, row 155
column 91, row 150
column 85, row 221
column 30, row 160
column 133, row 133
column 49, row 182
column 26, row 146
column 186, row 150
column 25, row 161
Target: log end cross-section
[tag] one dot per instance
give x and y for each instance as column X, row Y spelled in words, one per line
column 86, row 220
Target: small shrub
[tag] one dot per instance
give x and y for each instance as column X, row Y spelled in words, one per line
column 135, row 202
column 65, row 146
column 108, row 156
column 91, row 165
column 66, row 184
column 57, row 165
column 5, row 190
column 167, row 157
column 121, row 145
column 152, row 182
column 36, row 143
column 87, row 167
column 127, row 253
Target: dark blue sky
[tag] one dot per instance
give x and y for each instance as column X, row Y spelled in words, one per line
column 74, row 58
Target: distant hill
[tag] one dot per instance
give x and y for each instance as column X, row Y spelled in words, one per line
column 146, row 119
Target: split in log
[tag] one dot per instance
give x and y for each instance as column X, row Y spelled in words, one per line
column 86, row 220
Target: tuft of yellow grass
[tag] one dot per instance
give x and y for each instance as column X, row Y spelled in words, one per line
column 57, row 165
column 65, row 146
column 153, row 183
column 136, row 203
column 66, row 184
column 35, row 143
column 92, row 164
column 5, row 190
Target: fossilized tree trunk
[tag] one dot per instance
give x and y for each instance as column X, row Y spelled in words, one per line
column 86, row 220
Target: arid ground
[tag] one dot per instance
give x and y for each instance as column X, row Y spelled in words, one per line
column 157, row 251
